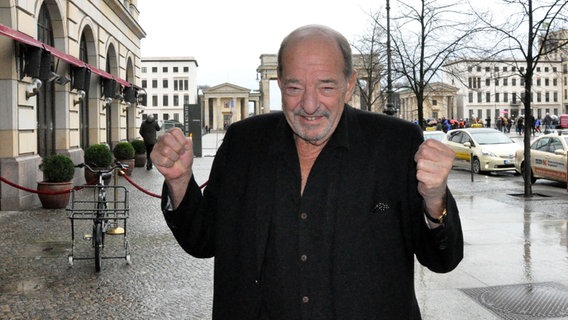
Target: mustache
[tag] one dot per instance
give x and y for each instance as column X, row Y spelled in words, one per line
column 303, row 113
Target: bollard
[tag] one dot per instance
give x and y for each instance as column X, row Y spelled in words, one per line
column 471, row 165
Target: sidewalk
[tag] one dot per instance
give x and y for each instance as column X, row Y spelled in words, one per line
column 515, row 261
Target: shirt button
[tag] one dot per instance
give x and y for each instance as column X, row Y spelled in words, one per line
column 304, row 258
column 305, row 299
column 304, row 216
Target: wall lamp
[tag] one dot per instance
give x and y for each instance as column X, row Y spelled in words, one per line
column 80, row 97
column 34, row 88
column 107, row 102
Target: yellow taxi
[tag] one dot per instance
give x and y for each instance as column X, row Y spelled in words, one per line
column 482, row 149
column 548, row 158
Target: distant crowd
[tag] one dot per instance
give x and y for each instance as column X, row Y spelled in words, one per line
column 503, row 123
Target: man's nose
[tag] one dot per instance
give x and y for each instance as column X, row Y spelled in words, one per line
column 310, row 101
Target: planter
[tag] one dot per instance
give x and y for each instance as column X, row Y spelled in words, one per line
column 93, row 178
column 54, row 201
column 130, row 163
column 140, row 160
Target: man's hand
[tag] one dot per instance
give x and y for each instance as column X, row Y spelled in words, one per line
column 434, row 162
column 173, row 157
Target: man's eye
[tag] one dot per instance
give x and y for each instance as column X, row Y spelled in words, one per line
column 293, row 90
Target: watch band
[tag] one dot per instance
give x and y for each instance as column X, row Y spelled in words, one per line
column 439, row 220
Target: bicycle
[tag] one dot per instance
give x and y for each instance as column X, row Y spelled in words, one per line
column 103, row 211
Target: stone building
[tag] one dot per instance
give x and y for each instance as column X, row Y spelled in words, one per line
column 68, row 79
column 439, row 102
column 170, row 82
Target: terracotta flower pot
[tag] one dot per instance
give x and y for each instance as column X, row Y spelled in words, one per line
column 140, row 160
column 54, row 201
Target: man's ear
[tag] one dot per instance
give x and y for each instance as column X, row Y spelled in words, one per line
column 350, row 86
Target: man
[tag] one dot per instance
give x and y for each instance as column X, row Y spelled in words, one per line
column 316, row 212
column 148, row 130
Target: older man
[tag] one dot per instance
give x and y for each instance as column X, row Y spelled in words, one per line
column 316, row 212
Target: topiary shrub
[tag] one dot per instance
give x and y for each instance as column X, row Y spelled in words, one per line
column 57, row 168
column 123, row 151
column 139, row 146
column 98, row 155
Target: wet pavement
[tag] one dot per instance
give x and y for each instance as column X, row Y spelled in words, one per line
column 515, row 264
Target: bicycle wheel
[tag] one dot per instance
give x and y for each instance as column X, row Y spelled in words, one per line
column 98, row 234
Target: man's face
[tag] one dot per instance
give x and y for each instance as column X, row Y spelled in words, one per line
column 314, row 88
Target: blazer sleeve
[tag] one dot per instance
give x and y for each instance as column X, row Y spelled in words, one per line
column 441, row 249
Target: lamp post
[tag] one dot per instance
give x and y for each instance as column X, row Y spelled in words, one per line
column 389, row 109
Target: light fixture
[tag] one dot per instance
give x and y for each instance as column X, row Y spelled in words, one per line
column 107, row 102
column 34, row 89
column 62, row 80
column 80, row 97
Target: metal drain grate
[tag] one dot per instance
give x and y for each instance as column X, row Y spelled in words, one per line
column 523, row 301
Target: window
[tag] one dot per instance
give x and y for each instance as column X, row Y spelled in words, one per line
column 479, row 96
column 522, row 81
column 522, row 69
column 555, row 96
column 504, row 69
column 554, row 69
column 487, row 69
column 165, row 100
column 154, row 83
column 176, row 100
column 547, row 96
column 186, row 99
column 478, row 68
column 186, row 84
column 144, row 83
column 144, row 69
column 505, row 82
column 487, row 82
column 165, row 69
column 546, row 82
column 165, row 83
column 469, row 69
column 555, row 82
column 154, row 69
column 545, row 69
column 175, row 85
column 513, row 81
column 175, row 69
column 154, row 100
column 513, row 69
column 166, row 116
column 434, row 102
column 538, row 81
column 488, row 97
column 539, row 97
column 497, row 97
column 496, row 82
column 470, row 97
column 537, row 69
column 496, row 69
column 186, row 69
column 505, row 97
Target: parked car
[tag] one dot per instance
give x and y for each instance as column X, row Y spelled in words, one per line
column 438, row 135
column 492, row 149
column 548, row 158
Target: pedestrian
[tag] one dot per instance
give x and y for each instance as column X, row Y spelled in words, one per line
column 322, row 215
column 148, row 131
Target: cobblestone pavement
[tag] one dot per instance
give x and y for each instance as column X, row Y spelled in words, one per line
column 163, row 282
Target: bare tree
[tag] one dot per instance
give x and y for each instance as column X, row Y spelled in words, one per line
column 427, row 35
column 535, row 35
column 369, row 62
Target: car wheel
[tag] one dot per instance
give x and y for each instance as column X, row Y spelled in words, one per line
column 476, row 166
column 530, row 174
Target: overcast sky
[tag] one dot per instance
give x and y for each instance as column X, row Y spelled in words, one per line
column 227, row 37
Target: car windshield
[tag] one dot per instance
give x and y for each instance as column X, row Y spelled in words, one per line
column 491, row 138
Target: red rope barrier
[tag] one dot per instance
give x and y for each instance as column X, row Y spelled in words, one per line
column 81, row 187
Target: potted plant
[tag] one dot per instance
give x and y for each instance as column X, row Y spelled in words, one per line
column 54, row 190
column 97, row 156
column 140, row 153
column 124, row 152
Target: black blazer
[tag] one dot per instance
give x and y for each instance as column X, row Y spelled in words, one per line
column 380, row 212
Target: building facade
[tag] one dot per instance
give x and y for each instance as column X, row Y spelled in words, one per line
column 489, row 89
column 439, row 102
column 170, row 83
column 68, row 79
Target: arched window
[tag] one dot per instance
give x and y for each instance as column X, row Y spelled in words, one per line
column 83, row 108
column 45, row 100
